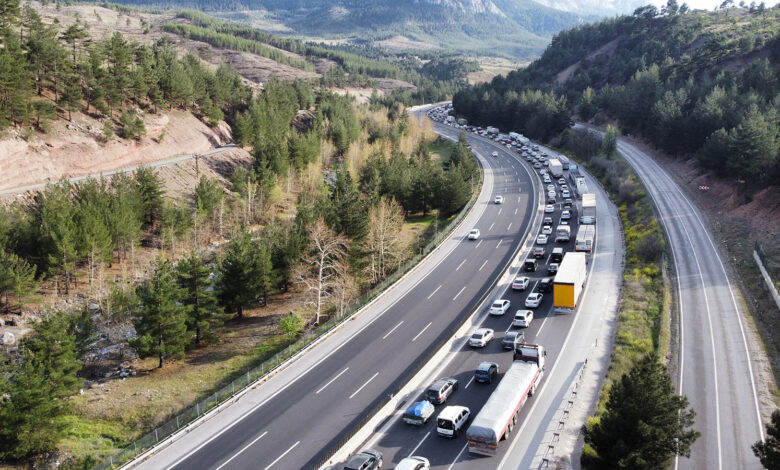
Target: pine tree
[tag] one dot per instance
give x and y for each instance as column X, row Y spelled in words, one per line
column 161, row 320
column 238, row 279
column 348, row 213
column 768, row 451
column 645, row 423
column 265, row 272
column 199, row 296
column 150, row 190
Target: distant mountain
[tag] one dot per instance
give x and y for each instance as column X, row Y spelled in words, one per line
column 514, row 28
column 595, row 7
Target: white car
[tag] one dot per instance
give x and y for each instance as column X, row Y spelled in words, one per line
column 565, row 215
column 547, row 230
column 543, row 172
column 549, row 209
column 498, row 199
column 482, row 336
column 520, row 283
column 413, row 463
column 561, row 181
column 523, row 318
column 565, row 193
column 550, row 187
column 533, row 300
column 474, row 234
column 495, row 154
column 541, row 239
column 499, row 307
column 547, row 220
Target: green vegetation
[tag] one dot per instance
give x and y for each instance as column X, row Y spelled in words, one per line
column 768, row 451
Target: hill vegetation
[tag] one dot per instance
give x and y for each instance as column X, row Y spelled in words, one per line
column 694, row 83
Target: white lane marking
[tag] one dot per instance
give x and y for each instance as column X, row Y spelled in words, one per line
column 491, row 226
column 456, row 295
column 515, row 211
column 242, row 449
column 534, row 287
column 435, row 291
column 418, row 334
column 467, row 385
column 364, row 385
column 479, row 243
column 461, row 264
column 508, row 328
column 510, row 227
column 549, row 258
column 457, row 457
column 540, row 328
column 394, row 328
column 518, row 198
column 483, row 265
column 342, row 372
column 285, row 453
column 499, row 243
column 419, row 444
column 499, row 211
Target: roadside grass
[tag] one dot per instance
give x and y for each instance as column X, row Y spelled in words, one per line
column 441, row 150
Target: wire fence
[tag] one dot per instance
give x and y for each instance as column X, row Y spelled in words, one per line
column 196, row 411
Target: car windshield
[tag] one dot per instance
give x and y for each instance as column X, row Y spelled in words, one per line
column 444, row 423
column 476, row 336
column 498, row 305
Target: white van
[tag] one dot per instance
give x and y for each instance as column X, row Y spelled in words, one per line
column 451, row 420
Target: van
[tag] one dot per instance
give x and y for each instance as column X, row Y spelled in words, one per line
column 545, row 285
column 531, row 264
column 451, row 420
column 557, row 255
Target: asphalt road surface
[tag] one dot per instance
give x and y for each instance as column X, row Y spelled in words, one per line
column 298, row 415
column 716, row 373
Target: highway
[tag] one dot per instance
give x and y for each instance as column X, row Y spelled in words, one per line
column 296, row 416
column 715, row 365
column 398, row 440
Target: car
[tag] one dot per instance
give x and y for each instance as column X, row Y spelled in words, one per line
column 520, row 283
column 509, row 146
column 551, row 194
column 474, row 234
column 367, row 459
column 565, row 193
column 541, row 239
column 512, row 338
column 544, row 172
column 550, row 187
column 552, row 268
column 528, row 158
column 451, row 420
column 499, row 307
column 537, row 165
column 440, row 390
column 523, row 318
column 547, row 229
column 538, row 252
column 568, row 201
column 535, row 148
column 530, row 265
column 481, row 337
column 498, row 199
column 549, row 209
column 545, row 285
column 561, row 181
column 495, row 154
column 413, row 463
column 545, row 163
column 563, row 221
column 567, row 205
column 566, row 215
column 533, row 300
column 547, row 179
column 565, row 186
column 487, row 371
column 557, row 255
column 547, row 220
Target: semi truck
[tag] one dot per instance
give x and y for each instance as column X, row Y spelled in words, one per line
column 492, row 130
column 555, row 167
column 588, row 214
column 581, row 186
column 564, row 161
column 498, row 417
column 568, row 282
column 562, row 233
column 585, row 237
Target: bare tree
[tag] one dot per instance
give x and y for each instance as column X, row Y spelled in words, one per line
column 383, row 241
column 320, row 268
column 345, row 287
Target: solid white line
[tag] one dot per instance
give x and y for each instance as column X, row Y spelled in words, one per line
column 467, row 385
column 456, row 295
column 419, row 444
column 285, row 453
column 457, row 457
column 342, row 372
column 510, row 226
column 499, row 243
column 242, row 449
column 364, row 385
column 483, row 265
column 461, row 264
column 435, row 291
column 540, row 328
column 491, row 226
column 421, row 332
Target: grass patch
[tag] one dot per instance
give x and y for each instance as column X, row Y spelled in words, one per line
column 441, row 150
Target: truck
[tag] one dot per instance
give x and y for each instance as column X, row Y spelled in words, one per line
column 580, row 186
column 419, row 413
column 462, row 122
column 569, row 281
column 562, row 233
column 555, row 167
column 585, row 237
column 492, row 130
column 498, row 417
column 564, row 161
column 588, row 214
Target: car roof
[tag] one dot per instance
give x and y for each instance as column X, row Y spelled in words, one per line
column 441, row 381
column 483, row 330
column 451, row 411
column 487, row 364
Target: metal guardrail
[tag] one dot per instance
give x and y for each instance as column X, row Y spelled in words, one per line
column 559, row 422
column 248, row 378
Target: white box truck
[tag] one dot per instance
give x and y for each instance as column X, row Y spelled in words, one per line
column 555, row 167
column 499, row 415
column 562, row 233
column 568, row 283
column 492, row 130
column 581, row 186
column 588, row 214
column 585, row 237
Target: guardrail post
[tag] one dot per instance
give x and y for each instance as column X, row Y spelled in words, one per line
column 155, row 435
column 197, row 409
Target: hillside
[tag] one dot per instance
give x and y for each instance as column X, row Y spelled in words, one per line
column 518, row 29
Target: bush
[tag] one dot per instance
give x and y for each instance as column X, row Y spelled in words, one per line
column 291, row 325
